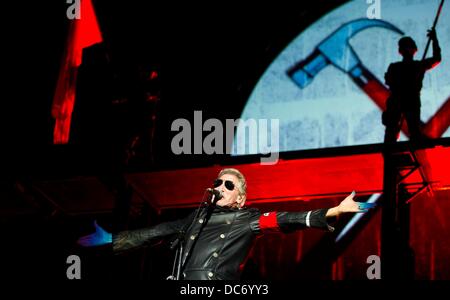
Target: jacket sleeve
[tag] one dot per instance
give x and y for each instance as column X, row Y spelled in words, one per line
column 291, row 221
column 130, row 239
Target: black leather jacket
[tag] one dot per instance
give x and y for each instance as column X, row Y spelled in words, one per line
column 215, row 249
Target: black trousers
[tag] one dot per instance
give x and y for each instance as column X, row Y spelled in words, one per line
column 393, row 118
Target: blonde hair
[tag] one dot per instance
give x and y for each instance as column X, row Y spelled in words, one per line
column 242, row 186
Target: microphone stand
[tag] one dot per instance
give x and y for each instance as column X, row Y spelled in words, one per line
column 178, row 242
column 176, row 270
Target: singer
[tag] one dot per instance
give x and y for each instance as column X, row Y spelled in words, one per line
column 216, row 240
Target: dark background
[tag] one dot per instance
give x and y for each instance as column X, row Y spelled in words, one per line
column 208, row 57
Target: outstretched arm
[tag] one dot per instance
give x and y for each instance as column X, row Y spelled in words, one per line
column 130, row 239
column 290, row 221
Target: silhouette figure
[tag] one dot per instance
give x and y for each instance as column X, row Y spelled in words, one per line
column 404, row 79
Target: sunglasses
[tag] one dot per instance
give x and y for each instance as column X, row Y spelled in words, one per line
column 228, row 184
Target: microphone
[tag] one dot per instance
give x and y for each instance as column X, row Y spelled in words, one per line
column 217, row 194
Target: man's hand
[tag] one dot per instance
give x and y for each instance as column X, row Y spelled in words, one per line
column 348, row 205
column 98, row 238
column 432, row 34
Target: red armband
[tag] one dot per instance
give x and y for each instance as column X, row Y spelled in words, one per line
column 268, row 222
